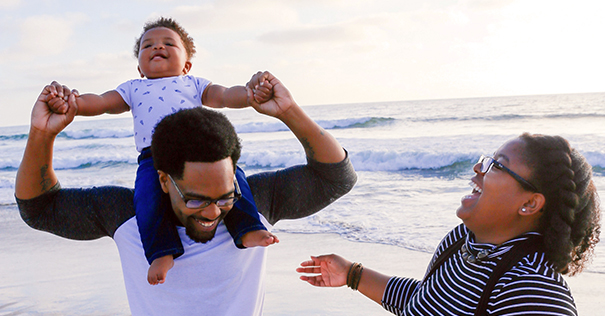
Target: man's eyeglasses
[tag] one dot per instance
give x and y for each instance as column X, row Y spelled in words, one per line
column 199, row 204
column 488, row 162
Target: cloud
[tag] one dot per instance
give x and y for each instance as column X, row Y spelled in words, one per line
column 225, row 16
column 9, row 4
column 311, row 34
column 35, row 35
column 94, row 74
column 44, row 35
column 488, row 4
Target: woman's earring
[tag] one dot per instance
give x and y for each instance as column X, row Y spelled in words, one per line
column 523, row 209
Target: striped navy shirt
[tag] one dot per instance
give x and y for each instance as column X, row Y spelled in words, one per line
column 530, row 287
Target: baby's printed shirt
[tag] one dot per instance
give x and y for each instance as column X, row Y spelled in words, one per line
column 150, row 100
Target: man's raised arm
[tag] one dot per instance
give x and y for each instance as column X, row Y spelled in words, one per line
column 36, row 175
column 318, row 144
column 302, row 190
column 81, row 214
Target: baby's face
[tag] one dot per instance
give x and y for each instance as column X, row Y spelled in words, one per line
column 162, row 54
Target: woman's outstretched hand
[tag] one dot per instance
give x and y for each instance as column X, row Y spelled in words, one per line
column 326, row 271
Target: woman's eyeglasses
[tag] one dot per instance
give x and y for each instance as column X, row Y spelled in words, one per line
column 199, row 204
column 488, row 162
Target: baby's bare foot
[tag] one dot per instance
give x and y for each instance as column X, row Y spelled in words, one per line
column 259, row 238
column 158, row 269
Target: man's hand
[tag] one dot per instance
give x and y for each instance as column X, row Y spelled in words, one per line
column 53, row 119
column 278, row 104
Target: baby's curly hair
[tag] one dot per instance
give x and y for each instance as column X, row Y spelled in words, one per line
column 170, row 24
column 570, row 222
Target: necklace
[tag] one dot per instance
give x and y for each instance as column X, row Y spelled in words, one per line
column 470, row 257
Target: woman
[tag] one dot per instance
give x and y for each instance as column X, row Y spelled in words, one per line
column 533, row 214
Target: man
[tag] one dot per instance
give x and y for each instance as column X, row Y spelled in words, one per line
column 213, row 277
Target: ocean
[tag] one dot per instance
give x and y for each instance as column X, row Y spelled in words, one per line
column 413, row 158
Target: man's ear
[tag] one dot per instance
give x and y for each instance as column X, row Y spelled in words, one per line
column 533, row 205
column 163, row 177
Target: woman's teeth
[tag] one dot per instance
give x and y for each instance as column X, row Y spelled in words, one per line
column 475, row 187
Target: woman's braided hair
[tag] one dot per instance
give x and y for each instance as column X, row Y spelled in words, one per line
column 570, row 221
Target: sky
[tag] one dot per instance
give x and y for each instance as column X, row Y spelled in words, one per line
column 324, row 51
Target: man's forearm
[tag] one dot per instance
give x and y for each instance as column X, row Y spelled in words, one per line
column 36, row 175
column 318, row 144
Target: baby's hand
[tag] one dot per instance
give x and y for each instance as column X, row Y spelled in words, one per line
column 57, row 104
column 263, row 92
column 57, row 98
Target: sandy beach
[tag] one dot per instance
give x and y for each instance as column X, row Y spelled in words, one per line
column 56, row 276
column 303, row 299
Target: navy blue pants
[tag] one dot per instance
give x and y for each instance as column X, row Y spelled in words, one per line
column 158, row 228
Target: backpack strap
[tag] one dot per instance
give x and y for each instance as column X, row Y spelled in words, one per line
column 446, row 254
column 509, row 259
column 512, row 257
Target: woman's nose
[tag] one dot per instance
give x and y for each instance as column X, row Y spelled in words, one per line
column 477, row 168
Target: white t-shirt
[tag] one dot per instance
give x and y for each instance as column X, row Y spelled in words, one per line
column 150, row 100
column 236, row 275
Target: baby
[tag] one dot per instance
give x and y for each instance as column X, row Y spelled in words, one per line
column 164, row 51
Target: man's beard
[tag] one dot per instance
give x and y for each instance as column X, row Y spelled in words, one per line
column 201, row 236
